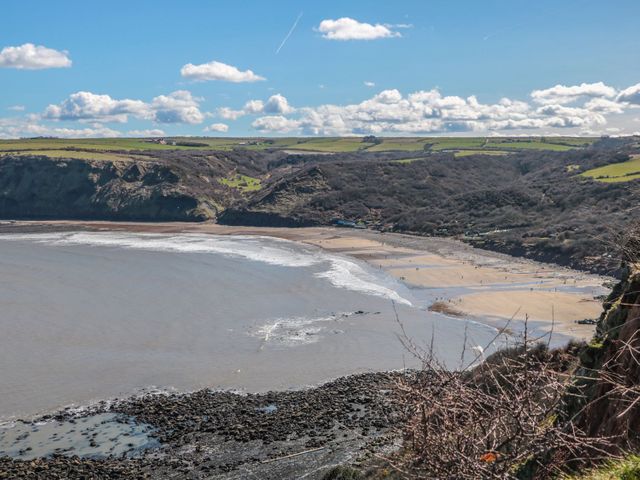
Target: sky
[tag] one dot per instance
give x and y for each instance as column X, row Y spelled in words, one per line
column 331, row 68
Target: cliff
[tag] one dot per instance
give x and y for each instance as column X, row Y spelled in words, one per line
column 39, row 187
column 531, row 204
column 610, row 368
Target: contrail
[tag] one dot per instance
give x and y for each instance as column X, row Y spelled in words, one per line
column 499, row 31
column 293, row 27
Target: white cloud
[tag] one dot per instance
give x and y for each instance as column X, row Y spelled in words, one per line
column 87, row 106
column 369, row 84
column 229, row 114
column 177, row 107
column 562, row 116
column 428, row 111
column 276, row 105
column 153, row 132
column 218, row 71
column 217, row 127
column 388, row 96
column 16, row 108
column 630, row 95
column 346, row 28
column 33, row 57
column 275, row 123
column 593, row 108
column 603, row 105
column 561, row 94
column 252, row 107
column 27, row 127
column 102, row 132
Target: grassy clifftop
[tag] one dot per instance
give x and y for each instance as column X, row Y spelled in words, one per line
column 328, row 145
column 544, row 198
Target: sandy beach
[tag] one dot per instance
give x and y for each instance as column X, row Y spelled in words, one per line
column 493, row 288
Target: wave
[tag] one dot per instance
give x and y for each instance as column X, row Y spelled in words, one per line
column 251, row 248
column 294, row 331
column 342, row 273
column 347, row 274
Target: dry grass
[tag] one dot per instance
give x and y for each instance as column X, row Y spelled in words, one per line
column 445, row 308
column 501, row 418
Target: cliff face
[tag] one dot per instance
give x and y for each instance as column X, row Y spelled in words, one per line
column 530, row 204
column 42, row 187
column 283, row 203
column 614, row 354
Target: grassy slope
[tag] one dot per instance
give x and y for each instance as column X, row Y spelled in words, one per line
column 616, row 172
column 466, row 153
column 334, row 144
column 244, row 183
column 85, row 155
column 625, row 469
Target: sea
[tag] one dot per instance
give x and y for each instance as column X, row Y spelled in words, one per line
column 91, row 316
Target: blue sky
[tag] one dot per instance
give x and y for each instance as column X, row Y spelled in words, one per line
column 123, row 55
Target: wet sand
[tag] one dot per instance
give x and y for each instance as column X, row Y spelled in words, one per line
column 489, row 287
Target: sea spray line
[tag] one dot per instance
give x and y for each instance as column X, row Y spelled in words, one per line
column 343, row 272
column 349, row 275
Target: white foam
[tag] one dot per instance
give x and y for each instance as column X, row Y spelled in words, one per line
column 347, row 274
column 252, row 248
column 342, row 273
column 293, row 331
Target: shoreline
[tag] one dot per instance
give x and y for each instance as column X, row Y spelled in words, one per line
column 223, row 435
column 494, row 288
column 304, row 432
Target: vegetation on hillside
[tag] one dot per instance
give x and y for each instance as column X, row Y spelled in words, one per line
column 516, row 195
column 530, row 203
column 527, row 412
column 616, row 172
column 314, row 144
column 240, row 182
column 627, row 468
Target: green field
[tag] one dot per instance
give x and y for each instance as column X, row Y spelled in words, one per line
column 84, row 155
column 337, row 145
column 323, row 144
column 455, row 143
column 530, row 145
column 466, row 153
column 85, row 144
column 457, row 153
column 243, row 183
column 616, row 172
column 400, row 144
column 617, row 469
column 481, row 144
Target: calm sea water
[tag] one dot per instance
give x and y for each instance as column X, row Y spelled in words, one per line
column 90, row 316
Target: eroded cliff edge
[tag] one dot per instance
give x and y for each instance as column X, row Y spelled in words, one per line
column 39, row 187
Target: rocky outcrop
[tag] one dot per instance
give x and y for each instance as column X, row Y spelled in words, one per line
column 38, row 187
column 284, row 203
column 612, row 364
